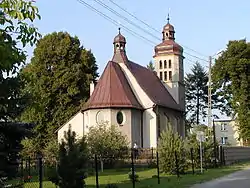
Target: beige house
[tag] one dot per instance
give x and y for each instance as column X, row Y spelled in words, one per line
column 226, row 132
column 131, row 96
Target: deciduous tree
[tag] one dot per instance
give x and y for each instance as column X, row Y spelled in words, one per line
column 231, row 79
column 14, row 32
column 57, row 79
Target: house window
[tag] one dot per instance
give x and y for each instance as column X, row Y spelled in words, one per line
column 161, row 75
column 160, row 64
column 170, row 75
column 224, row 140
column 165, row 75
column 120, row 118
column 169, row 64
column 165, row 64
column 223, row 126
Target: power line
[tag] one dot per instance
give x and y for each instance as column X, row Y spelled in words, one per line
column 114, row 21
column 126, row 28
column 152, row 27
column 126, row 19
column 133, row 16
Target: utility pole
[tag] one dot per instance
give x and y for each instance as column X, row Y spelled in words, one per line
column 209, row 92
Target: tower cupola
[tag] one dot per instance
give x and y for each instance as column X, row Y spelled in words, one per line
column 119, row 42
column 168, row 31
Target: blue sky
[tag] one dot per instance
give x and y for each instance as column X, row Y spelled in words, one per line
column 205, row 26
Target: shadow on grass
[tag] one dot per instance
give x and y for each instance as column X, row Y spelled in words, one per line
column 120, row 171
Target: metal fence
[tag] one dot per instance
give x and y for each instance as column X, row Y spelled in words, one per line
column 33, row 173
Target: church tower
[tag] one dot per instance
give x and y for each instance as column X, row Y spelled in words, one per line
column 168, row 61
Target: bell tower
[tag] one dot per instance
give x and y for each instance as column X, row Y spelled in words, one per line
column 168, row 60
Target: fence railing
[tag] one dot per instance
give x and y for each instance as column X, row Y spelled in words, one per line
column 33, row 172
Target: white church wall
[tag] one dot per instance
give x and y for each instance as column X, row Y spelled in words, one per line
column 125, row 126
column 149, row 132
column 76, row 123
column 149, row 118
column 94, row 116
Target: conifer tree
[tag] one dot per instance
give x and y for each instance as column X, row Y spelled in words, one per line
column 170, row 143
column 73, row 161
column 150, row 66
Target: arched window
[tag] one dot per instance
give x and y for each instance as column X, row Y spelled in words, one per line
column 169, row 64
column 165, row 75
column 100, row 117
column 160, row 64
column 165, row 64
column 160, row 75
column 170, row 75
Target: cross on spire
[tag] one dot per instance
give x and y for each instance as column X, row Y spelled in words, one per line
column 168, row 18
column 119, row 30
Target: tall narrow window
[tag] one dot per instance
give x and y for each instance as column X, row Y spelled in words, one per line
column 165, row 64
column 161, row 75
column 170, row 75
column 160, row 64
column 165, row 75
column 169, row 64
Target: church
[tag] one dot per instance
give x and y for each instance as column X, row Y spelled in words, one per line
column 136, row 99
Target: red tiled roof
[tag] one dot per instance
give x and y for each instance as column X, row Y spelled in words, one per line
column 112, row 90
column 169, row 45
column 153, row 86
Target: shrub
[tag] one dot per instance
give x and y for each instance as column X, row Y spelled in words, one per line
column 208, row 145
column 108, row 143
column 50, row 152
column 170, row 143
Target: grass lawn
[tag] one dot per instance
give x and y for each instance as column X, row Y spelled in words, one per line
column 146, row 180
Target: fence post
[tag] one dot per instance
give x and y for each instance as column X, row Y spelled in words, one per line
column 40, row 161
column 133, row 168
column 192, row 159
column 176, row 164
column 29, row 165
column 22, row 175
column 96, row 172
column 204, row 157
column 158, row 168
column 221, row 156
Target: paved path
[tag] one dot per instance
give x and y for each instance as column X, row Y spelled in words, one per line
column 240, row 179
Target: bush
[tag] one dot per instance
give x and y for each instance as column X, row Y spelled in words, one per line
column 108, row 143
column 50, row 152
column 170, row 143
column 208, row 146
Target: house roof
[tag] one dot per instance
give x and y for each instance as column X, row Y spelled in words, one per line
column 112, row 90
column 153, row 86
